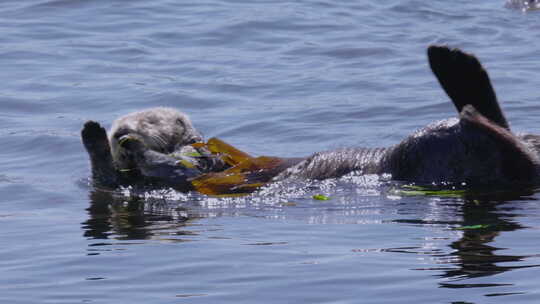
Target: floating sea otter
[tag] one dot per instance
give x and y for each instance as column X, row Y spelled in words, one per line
column 161, row 146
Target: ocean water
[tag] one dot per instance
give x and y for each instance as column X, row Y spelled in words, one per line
column 283, row 78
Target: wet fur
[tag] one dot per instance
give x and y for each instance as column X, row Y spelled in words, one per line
column 141, row 148
column 477, row 148
column 163, row 130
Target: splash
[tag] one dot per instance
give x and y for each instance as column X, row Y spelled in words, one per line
column 277, row 194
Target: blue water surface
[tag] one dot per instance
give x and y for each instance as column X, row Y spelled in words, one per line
column 283, row 78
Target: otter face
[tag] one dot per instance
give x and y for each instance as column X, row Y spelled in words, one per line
column 162, row 130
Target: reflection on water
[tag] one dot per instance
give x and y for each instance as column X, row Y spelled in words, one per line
column 116, row 217
column 482, row 219
column 478, row 220
column 474, row 256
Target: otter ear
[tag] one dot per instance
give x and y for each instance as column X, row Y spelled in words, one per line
column 466, row 82
column 518, row 164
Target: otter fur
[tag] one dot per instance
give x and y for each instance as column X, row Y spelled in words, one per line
column 477, row 148
column 163, row 130
column 147, row 146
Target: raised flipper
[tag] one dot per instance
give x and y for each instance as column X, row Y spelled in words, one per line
column 518, row 164
column 95, row 141
column 466, row 82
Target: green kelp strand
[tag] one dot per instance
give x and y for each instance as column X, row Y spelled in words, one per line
column 472, row 227
column 320, row 197
column 419, row 190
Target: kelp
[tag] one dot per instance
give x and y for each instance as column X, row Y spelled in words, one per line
column 473, row 227
column 320, row 197
column 245, row 175
column 413, row 190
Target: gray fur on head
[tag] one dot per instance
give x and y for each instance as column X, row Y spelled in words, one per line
column 161, row 129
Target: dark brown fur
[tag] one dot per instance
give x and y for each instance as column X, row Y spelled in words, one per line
column 477, row 149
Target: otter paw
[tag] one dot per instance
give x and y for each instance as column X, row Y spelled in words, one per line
column 131, row 143
column 93, row 131
column 94, row 137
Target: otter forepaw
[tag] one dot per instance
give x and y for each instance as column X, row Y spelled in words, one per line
column 94, row 136
column 132, row 144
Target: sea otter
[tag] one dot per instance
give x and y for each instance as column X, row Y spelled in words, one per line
column 475, row 149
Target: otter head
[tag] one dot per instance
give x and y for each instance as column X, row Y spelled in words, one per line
column 162, row 130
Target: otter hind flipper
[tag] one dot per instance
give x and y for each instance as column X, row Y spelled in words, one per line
column 94, row 138
column 517, row 163
column 466, row 82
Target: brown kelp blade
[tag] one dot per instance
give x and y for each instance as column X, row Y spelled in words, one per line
column 224, row 183
column 245, row 176
column 228, row 153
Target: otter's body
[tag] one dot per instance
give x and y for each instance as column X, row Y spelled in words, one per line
column 447, row 151
column 476, row 148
